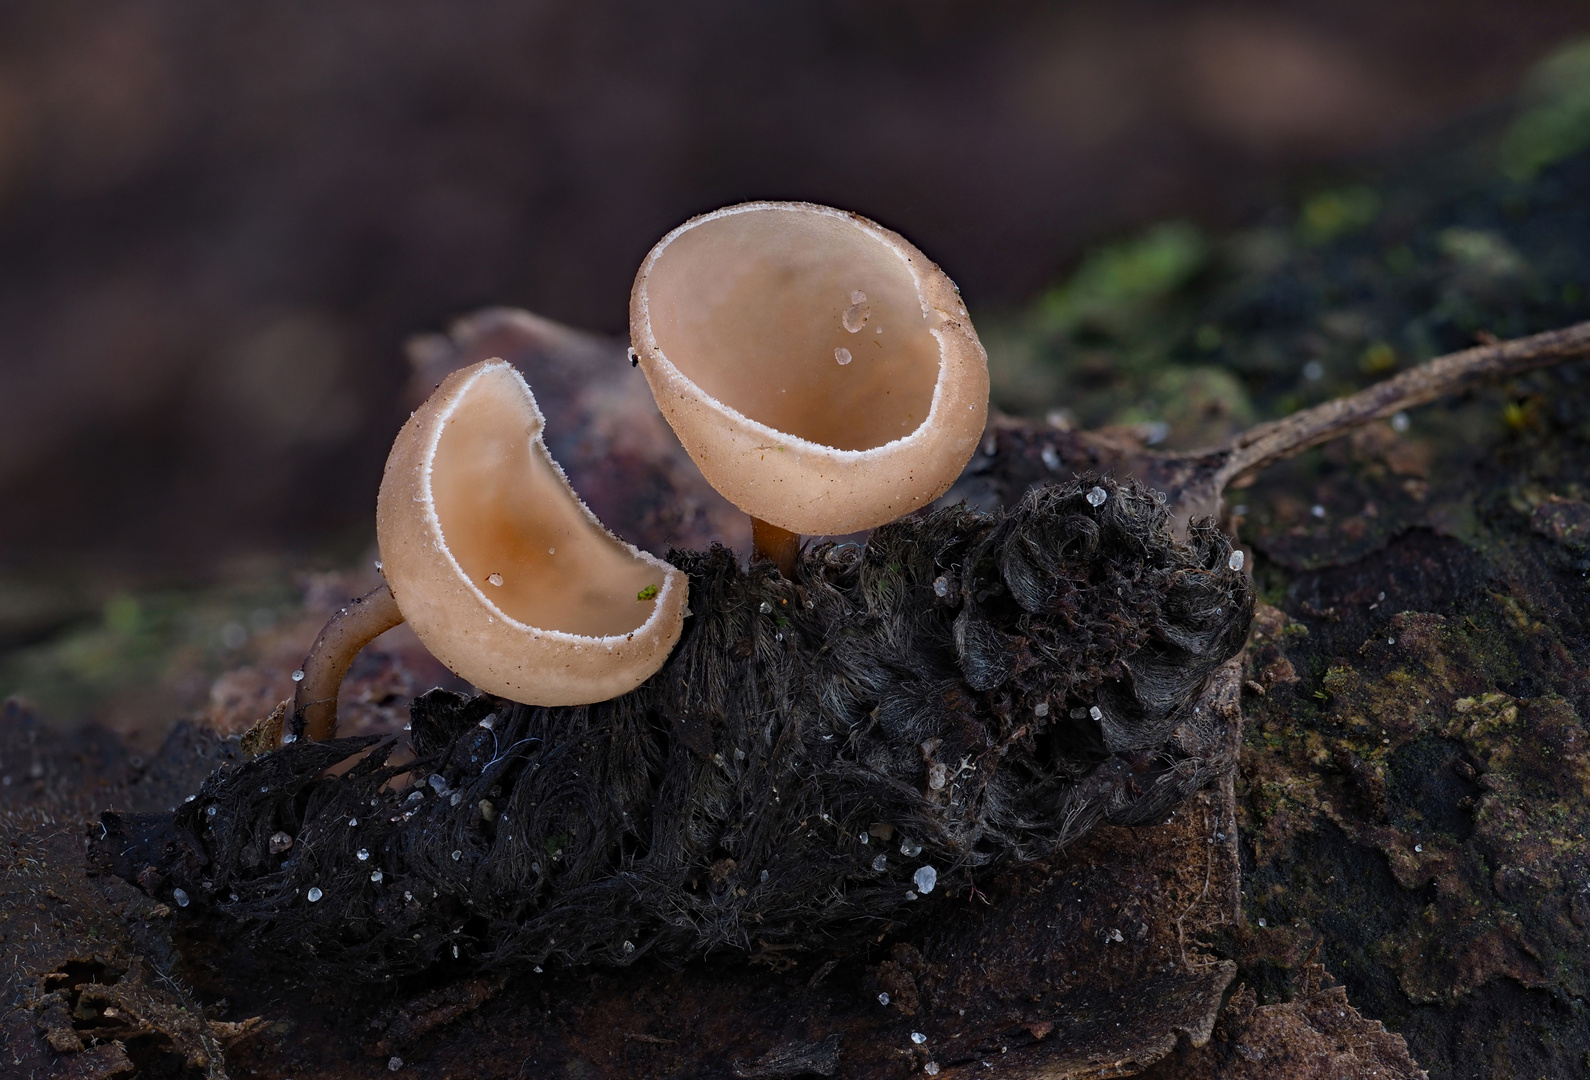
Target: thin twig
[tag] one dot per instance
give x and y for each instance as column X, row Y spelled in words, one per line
column 1277, row 440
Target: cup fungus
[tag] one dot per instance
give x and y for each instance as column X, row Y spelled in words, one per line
column 502, row 571
column 820, row 370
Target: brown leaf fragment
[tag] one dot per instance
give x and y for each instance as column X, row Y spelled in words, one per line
column 1315, row 1036
column 108, row 1061
column 55, row 1021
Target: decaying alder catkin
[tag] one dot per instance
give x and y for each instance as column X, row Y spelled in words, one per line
column 821, row 758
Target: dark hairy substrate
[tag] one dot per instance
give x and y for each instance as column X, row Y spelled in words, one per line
column 820, row 760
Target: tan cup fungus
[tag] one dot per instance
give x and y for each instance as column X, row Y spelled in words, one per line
column 503, row 573
column 820, row 370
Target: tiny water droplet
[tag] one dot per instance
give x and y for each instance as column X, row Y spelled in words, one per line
column 315, row 894
column 1317, row 510
column 211, row 811
column 1041, row 709
column 1399, row 422
column 298, row 676
column 910, row 848
column 552, row 551
column 363, row 854
column 931, row 1068
column 881, row 863
column 289, row 738
column 918, row 1038
column 375, row 876
column 353, row 823
column 1051, row 459
column 925, row 879
column 941, row 586
column 457, row 854
column 1236, row 560
column 494, row 579
column 280, row 842
column 765, row 608
column 180, row 897
column 842, row 355
column 1096, row 712
column 857, row 314
column 1097, row 496
column 394, row 1063
column 883, row 998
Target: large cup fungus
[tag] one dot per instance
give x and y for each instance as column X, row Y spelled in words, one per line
column 820, row 370
column 503, row 573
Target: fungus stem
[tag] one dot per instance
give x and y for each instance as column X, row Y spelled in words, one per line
column 348, row 631
column 776, row 545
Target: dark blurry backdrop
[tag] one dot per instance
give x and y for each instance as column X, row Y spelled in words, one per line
column 218, row 222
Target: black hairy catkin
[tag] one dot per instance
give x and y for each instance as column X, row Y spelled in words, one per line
column 821, row 759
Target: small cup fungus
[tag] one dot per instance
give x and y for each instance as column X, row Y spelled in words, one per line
column 504, row 574
column 820, row 370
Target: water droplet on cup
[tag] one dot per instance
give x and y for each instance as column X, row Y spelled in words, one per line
column 857, row 314
column 494, row 579
column 842, row 355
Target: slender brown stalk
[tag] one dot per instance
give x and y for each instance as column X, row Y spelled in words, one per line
column 1266, row 444
column 776, row 545
column 349, row 630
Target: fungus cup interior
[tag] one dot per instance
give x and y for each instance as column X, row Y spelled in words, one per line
column 504, row 574
column 508, row 517
column 802, row 321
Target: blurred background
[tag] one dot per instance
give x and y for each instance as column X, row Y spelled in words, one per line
column 220, row 223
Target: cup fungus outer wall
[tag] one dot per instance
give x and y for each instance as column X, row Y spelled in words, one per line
column 803, row 486
column 458, row 622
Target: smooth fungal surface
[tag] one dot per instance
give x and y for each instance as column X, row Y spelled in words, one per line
column 505, row 576
column 508, row 518
column 805, row 321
